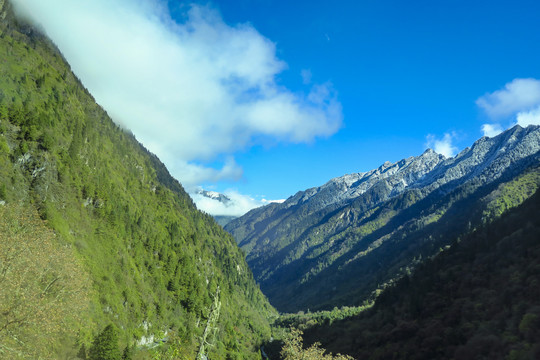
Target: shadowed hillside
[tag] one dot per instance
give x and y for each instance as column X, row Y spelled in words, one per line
column 479, row 299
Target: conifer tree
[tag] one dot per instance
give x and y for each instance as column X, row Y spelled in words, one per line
column 82, row 352
column 105, row 345
column 128, row 353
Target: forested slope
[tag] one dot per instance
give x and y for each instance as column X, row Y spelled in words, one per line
column 479, row 299
column 150, row 262
column 340, row 244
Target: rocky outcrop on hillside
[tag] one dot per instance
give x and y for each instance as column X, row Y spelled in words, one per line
column 486, row 160
column 3, row 10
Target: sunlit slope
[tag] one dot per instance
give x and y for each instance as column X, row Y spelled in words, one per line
column 155, row 262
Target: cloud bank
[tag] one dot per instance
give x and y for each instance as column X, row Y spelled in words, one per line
column 193, row 91
column 518, row 103
column 238, row 205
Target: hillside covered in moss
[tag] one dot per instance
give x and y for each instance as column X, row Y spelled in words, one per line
column 143, row 258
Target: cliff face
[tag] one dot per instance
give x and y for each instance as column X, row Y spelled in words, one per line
column 300, row 243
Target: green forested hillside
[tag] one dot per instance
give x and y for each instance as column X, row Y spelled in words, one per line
column 150, row 263
column 353, row 252
column 479, row 299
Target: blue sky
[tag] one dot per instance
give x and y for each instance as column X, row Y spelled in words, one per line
column 263, row 98
column 402, row 70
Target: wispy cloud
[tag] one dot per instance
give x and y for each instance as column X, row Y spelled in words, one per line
column 306, row 76
column 518, row 95
column 444, row 145
column 191, row 92
column 527, row 118
column 491, row 130
column 518, row 103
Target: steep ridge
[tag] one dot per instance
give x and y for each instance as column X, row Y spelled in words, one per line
column 312, row 204
column 155, row 266
column 479, row 299
column 337, row 244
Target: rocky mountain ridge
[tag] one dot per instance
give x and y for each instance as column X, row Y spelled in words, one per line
column 347, row 218
column 397, row 176
column 486, row 159
column 429, row 170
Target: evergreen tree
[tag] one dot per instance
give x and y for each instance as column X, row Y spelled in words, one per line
column 105, row 345
column 82, row 352
column 128, row 353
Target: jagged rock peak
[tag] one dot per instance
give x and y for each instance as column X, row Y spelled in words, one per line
column 428, row 169
column 487, row 158
column 397, row 176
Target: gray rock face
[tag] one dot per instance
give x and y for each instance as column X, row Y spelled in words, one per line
column 486, row 160
column 3, row 10
column 292, row 242
column 395, row 177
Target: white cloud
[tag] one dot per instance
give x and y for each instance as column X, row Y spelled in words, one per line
column 442, row 146
column 527, row 118
column 517, row 95
column 238, row 206
column 198, row 174
column 190, row 92
column 492, row 130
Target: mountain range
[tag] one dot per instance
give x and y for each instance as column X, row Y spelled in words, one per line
column 101, row 249
column 345, row 241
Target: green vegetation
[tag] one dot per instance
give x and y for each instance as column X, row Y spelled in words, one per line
column 43, row 287
column 154, row 261
column 511, row 194
column 105, row 345
column 104, row 256
column 346, row 256
column 303, row 320
column 479, row 299
column 293, row 349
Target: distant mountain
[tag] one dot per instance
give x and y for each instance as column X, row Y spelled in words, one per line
column 223, row 220
column 222, row 199
column 479, row 299
column 95, row 231
column 340, row 243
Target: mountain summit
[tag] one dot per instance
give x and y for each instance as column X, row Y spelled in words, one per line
column 224, row 199
column 338, row 243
